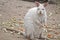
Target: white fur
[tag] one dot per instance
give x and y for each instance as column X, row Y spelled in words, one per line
column 33, row 20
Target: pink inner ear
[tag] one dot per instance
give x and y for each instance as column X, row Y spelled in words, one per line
column 37, row 4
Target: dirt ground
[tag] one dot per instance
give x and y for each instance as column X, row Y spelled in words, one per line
column 18, row 9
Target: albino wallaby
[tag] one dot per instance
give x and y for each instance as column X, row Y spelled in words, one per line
column 33, row 21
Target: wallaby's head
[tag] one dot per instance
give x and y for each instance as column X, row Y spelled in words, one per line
column 41, row 4
column 40, row 9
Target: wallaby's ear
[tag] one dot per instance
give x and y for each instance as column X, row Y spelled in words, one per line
column 37, row 3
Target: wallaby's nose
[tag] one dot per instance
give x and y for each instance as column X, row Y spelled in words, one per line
column 40, row 12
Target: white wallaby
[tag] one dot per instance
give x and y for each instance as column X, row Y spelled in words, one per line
column 33, row 21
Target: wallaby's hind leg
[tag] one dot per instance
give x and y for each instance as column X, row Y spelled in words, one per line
column 30, row 37
column 41, row 38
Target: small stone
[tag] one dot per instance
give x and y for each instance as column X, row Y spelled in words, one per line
column 11, row 32
column 17, row 25
column 45, row 29
column 55, row 36
column 59, row 25
column 4, row 30
column 21, row 22
column 50, row 29
column 12, row 27
column 18, row 33
column 3, row 23
column 50, row 14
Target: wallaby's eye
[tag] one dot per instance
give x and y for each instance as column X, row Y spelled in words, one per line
column 42, row 9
